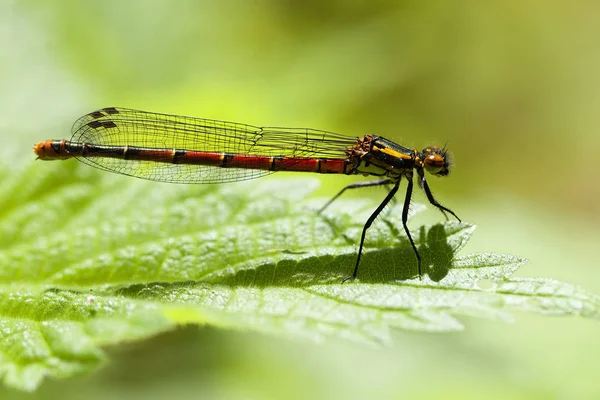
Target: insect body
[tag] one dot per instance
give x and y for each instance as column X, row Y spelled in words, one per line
column 178, row 149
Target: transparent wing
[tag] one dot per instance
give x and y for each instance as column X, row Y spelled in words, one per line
column 126, row 127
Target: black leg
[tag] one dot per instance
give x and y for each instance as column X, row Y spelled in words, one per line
column 393, row 201
column 355, row 186
column 368, row 224
column 432, row 200
column 409, row 190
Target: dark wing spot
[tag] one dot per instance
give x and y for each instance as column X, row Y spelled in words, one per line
column 96, row 114
column 110, row 110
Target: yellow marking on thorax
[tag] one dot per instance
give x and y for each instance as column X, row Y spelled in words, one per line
column 393, row 153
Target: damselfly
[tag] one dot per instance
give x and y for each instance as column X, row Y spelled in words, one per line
column 178, row 149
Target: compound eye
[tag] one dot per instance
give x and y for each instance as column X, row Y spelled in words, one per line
column 434, row 163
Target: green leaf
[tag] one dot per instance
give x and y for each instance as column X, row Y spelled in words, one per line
column 90, row 259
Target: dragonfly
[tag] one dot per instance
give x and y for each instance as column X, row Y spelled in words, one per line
column 182, row 149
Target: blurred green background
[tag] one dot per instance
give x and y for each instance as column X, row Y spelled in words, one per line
column 512, row 86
